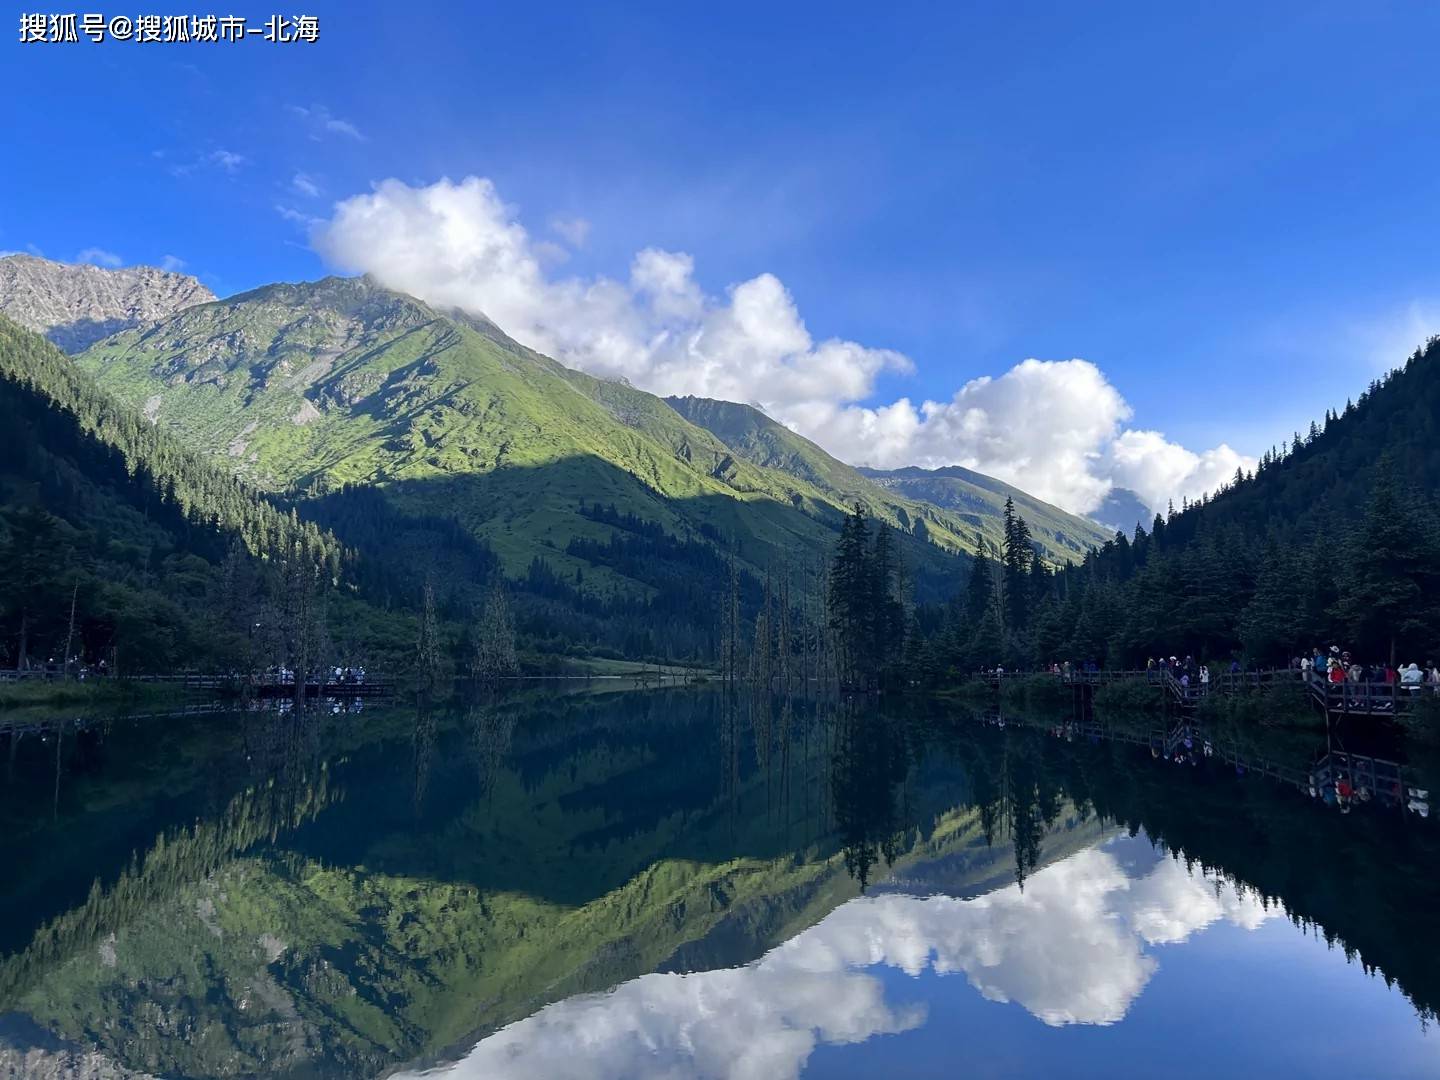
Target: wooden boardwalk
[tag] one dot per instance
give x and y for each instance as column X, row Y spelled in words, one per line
column 1388, row 782
column 254, row 686
column 1334, row 699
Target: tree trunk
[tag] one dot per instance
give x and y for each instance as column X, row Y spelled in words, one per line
column 70, row 633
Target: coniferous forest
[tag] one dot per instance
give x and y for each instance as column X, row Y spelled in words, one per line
column 1334, row 538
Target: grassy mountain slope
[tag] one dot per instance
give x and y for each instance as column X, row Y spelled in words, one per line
column 342, row 382
column 979, row 499
column 949, row 501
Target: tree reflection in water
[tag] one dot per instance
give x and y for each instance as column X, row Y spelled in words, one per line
column 523, row 849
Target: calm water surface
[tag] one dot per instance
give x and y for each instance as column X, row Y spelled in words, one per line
column 674, row 884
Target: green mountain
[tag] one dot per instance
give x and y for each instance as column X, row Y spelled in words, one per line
column 327, row 387
column 102, row 512
column 978, row 498
column 953, row 501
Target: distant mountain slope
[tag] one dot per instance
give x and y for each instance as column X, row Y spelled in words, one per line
column 342, row 382
column 981, row 498
column 77, row 305
column 957, row 501
column 1122, row 510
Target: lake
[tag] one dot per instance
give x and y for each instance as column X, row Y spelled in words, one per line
column 677, row 883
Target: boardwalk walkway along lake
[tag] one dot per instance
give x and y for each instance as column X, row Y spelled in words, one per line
column 1335, row 699
column 254, row 685
column 1332, row 767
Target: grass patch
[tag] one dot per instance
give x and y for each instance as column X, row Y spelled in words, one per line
column 28, row 692
column 1280, row 705
column 1130, row 696
column 1423, row 721
column 1036, row 692
column 972, row 691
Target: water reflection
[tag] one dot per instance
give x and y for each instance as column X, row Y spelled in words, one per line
column 677, row 882
column 1070, row 949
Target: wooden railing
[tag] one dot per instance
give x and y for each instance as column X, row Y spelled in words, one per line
column 1345, row 698
column 1368, row 698
column 374, row 683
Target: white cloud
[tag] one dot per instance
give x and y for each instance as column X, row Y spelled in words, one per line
column 99, row 257
column 228, row 160
column 1158, row 470
column 173, row 263
column 289, row 213
column 458, row 244
column 1070, row 949
column 305, row 185
column 1054, row 428
column 574, row 230
column 322, row 122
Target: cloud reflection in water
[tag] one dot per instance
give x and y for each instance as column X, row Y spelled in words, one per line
column 1070, row 949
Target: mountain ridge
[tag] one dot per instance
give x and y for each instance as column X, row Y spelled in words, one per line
column 312, row 387
column 764, row 441
column 969, row 492
column 75, row 305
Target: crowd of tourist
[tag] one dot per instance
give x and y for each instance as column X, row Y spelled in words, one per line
column 1337, row 667
column 336, row 676
column 1334, row 665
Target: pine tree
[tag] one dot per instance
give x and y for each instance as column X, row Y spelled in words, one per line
column 1389, row 580
column 849, row 590
column 1017, row 555
column 427, row 644
column 494, row 643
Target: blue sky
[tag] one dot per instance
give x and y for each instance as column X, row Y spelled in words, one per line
column 1225, row 208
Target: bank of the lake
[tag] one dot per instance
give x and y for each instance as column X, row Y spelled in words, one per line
column 90, row 693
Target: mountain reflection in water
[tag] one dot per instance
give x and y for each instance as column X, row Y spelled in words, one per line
column 1069, row 948
column 677, row 884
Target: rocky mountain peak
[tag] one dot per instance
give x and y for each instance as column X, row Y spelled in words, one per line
column 77, row 305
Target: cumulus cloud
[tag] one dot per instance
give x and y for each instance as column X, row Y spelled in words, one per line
column 459, row 245
column 99, row 257
column 173, row 263
column 1070, row 949
column 1055, row 428
column 1158, row 470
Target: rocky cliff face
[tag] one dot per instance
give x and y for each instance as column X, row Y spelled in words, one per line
column 76, row 306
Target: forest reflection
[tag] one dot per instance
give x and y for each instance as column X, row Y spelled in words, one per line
column 447, row 873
